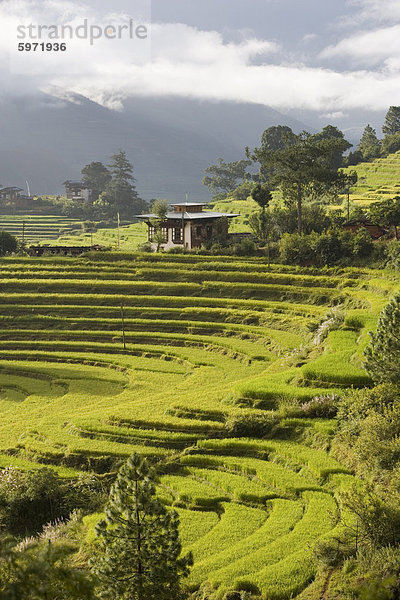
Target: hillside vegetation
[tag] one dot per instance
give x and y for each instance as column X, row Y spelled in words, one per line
column 222, row 359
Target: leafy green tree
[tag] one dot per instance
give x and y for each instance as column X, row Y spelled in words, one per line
column 386, row 213
column 277, row 137
column 391, row 143
column 8, row 243
column 120, row 195
column 303, row 168
column 160, row 210
column 349, row 180
column 262, row 195
column 369, row 145
column 139, row 554
column 392, row 121
column 382, row 355
column 225, row 177
column 41, row 570
column 242, row 191
column 96, row 176
column 328, row 133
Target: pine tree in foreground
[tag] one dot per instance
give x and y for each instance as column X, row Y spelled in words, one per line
column 139, row 552
column 382, row 355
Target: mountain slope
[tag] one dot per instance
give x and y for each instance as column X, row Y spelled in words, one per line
column 47, row 140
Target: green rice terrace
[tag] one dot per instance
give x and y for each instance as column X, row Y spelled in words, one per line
column 38, row 228
column 377, row 180
column 210, row 345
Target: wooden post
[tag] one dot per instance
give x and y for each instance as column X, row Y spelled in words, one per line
column 119, row 235
column 123, row 325
column 348, row 204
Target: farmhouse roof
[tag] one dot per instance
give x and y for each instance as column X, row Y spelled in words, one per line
column 188, row 216
column 11, row 189
column 189, row 204
column 70, row 182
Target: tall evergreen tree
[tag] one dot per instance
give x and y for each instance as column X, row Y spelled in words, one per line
column 392, row 121
column 139, row 553
column 120, row 195
column 382, row 355
column 369, row 146
column 96, row 176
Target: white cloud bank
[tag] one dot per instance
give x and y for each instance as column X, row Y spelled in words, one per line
column 376, row 11
column 369, row 47
column 188, row 62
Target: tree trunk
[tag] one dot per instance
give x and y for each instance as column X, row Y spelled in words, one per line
column 299, row 210
column 139, row 550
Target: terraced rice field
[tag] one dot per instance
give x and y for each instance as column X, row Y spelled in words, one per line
column 207, row 340
column 377, row 180
column 34, row 229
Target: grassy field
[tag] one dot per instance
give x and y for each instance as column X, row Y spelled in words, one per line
column 205, row 341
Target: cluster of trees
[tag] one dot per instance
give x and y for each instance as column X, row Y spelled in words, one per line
column 113, row 188
column 303, row 166
column 371, row 146
column 308, row 172
column 113, row 191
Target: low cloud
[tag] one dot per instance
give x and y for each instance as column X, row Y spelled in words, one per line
column 185, row 61
column 368, row 47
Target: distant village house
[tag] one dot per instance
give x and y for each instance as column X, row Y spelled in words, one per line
column 187, row 226
column 374, row 230
column 15, row 197
column 77, row 190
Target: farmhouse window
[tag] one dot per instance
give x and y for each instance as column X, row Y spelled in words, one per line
column 178, row 235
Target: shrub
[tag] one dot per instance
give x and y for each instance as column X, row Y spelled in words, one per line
column 328, row 553
column 256, row 425
column 362, row 244
column 323, row 407
column 145, row 247
column 8, row 243
column 393, row 254
column 328, row 249
column 377, row 518
column 30, row 499
column 245, row 248
column 295, row 249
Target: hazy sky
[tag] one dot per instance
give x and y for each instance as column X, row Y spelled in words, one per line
column 327, row 56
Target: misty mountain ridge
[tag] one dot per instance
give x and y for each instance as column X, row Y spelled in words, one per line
column 170, row 141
